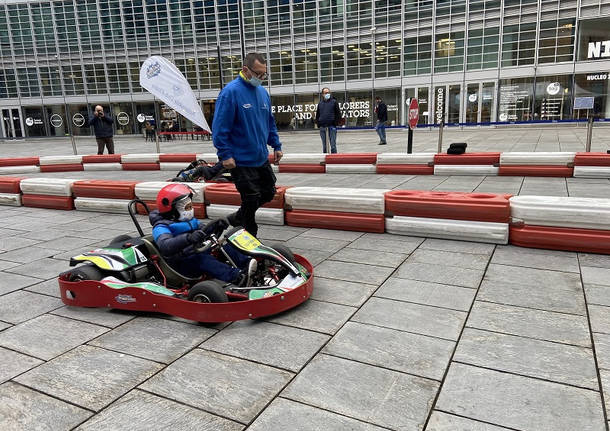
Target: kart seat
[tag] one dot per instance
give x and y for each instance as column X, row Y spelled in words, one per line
column 174, row 278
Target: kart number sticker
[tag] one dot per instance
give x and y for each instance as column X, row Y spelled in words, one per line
column 245, row 241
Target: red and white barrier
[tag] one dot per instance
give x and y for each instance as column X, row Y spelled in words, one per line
column 270, row 216
column 19, row 161
column 351, row 159
column 53, row 193
column 592, row 165
column 537, row 164
column 102, row 158
column 116, row 206
column 466, row 170
column 208, row 157
column 61, row 163
column 303, row 163
column 10, row 199
column 19, row 169
column 10, row 191
column 183, row 158
column 104, row 189
column 405, row 164
column 140, row 162
column 102, row 166
column 172, row 166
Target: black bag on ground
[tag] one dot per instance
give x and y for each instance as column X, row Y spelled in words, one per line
column 457, row 148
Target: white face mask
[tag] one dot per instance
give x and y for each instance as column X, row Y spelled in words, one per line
column 186, row 215
column 183, row 213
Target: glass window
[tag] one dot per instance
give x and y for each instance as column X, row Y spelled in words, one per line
column 34, row 121
column 553, row 97
column 593, row 85
column 516, row 99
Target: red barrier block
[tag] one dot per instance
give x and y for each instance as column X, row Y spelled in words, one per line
column 19, row 161
column 186, row 158
column 336, row 220
column 561, row 238
column 64, row 167
column 592, row 159
column 404, row 169
column 227, row 194
column 352, row 159
column 152, row 205
column 449, row 205
column 102, row 158
column 536, row 171
column 302, row 168
column 105, row 189
column 10, row 185
column 47, row 201
column 467, row 159
column 141, row 166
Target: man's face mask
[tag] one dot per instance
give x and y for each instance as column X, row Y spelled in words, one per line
column 256, row 79
column 327, row 96
column 185, row 209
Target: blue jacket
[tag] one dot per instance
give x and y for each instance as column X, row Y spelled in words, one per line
column 172, row 236
column 102, row 126
column 244, row 125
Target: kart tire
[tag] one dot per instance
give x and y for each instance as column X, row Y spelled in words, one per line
column 207, row 291
column 119, row 240
column 284, row 251
column 85, row 272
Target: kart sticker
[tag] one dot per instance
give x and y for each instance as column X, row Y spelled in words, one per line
column 124, row 299
column 115, row 283
column 245, row 241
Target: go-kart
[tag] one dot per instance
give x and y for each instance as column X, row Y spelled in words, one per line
column 200, row 169
column 131, row 274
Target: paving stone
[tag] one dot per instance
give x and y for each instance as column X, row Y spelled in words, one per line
column 284, row 415
column 3, row 326
column 43, row 268
column 598, row 295
column 605, row 380
column 314, row 257
column 223, row 385
column 401, row 351
column 542, row 325
column 600, row 318
column 11, row 282
column 536, row 258
column 440, row 421
column 140, row 411
column 67, row 243
column 47, row 336
column 49, row 287
column 593, row 275
column 24, row 409
column 422, row 292
column 534, row 358
column 27, row 254
column 457, row 246
column 14, row 363
column 268, row 343
column 315, row 315
column 160, row 340
column 385, row 242
column 341, row 291
column 416, row 318
column 594, row 260
column 98, row 316
column 533, row 288
column 5, row 264
column 89, row 377
column 602, row 350
column 328, row 245
column 436, row 273
column 342, row 235
column 449, row 258
column 383, row 397
column 19, row 306
column 356, row 272
column 519, row 402
column 380, row 258
column 278, row 234
column 15, row 242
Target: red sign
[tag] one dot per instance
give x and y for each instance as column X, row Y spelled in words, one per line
column 413, row 113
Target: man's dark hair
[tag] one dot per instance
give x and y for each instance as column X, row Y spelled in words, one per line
column 378, row 98
column 253, row 57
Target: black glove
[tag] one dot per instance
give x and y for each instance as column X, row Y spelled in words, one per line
column 217, row 226
column 196, row 237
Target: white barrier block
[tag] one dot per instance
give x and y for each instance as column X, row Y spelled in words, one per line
column 102, row 167
column 592, row 171
column 25, row 169
column 405, row 159
column 368, row 201
column 60, row 160
column 47, row 186
column 140, row 158
column 117, row 206
column 208, row 157
column 535, row 158
column 147, row 191
column 466, row 170
column 350, row 169
column 172, row 166
column 462, row 230
column 585, row 213
column 305, row 158
column 272, row 216
column 10, row 199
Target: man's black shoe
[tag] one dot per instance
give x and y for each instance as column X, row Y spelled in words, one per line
column 382, row 143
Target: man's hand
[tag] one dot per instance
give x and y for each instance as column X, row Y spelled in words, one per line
column 277, row 155
column 229, row 163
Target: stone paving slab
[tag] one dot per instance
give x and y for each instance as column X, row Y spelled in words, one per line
column 341, row 235
column 594, row 260
column 600, row 318
column 28, row 254
column 457, row 246
column 341, row 291
column 440, row 421
column 382, row 397
column 316, row 316
column 12, row 309
column 383, row 243
column 43, row 268
column 230, row 387
column 11, row 282
column 536, row 258
column 519, row 402
column 449, row 258
column 597, row 295
column 380, row 258
column 97, row 316
column 595, row 275
column 49, row 287
column 449, row 275
column 14, row 363
column 355, row 272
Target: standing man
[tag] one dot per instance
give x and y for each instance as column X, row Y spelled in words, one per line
column 243, row 127
column 103, row 126
column 328, row 116
column 382, row 116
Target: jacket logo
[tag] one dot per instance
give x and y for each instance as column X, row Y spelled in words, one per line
column 265, row 106
column 247, row 105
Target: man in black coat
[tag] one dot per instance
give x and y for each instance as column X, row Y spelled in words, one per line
column 328, row 116
column 382, row 116
column 103, row 125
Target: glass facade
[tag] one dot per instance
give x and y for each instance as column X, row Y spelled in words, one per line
column 475, row 61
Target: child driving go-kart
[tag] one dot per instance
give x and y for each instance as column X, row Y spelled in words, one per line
column 179, row 236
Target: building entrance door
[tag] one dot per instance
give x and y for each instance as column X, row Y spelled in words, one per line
column 447, row 103
column 479, row 102
column 12, row 126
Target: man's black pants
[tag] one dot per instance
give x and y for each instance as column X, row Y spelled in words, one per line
column 256, row 187
column 107, row 142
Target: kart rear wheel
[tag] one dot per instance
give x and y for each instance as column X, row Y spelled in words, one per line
column 119, row 240
column 284, row 251
column 207, row 291
column 85, row 272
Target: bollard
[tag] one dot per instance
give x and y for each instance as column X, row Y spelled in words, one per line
column 589, row 134
column 73, row 144
column 440, row 136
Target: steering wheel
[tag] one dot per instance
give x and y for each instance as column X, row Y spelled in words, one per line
column 206, row 245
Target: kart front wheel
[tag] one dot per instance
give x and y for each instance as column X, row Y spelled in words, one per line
column 207, row 291
column 85, row 272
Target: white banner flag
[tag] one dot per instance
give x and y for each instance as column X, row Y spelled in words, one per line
column 163, row 79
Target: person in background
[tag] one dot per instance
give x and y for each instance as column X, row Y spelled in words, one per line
column 328, row 116
column 103, row 125
column 382, row 117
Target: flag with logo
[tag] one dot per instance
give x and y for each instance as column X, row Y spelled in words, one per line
column 163, row 79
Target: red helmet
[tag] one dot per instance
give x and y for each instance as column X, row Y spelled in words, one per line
column 170, row 194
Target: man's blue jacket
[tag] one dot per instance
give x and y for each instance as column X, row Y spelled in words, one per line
column 244, row 125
